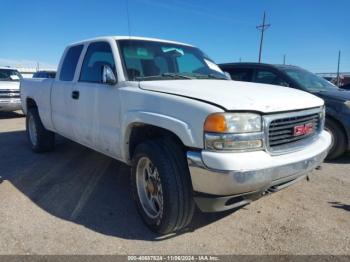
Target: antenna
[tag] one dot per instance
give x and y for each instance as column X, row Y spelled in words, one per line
column 128, row 17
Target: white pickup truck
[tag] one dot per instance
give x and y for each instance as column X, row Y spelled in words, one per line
column 9, row 89
column 190, row 135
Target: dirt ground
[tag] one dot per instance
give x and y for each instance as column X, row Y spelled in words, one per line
column 77, row 201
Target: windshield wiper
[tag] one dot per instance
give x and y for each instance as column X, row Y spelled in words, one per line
column 209, row 76
column 164, row 75
column 217, row 77
column 176, row 75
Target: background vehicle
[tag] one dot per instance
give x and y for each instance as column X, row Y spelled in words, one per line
column 189, row 134
column 347, row 86
column 44, row 74
column 337, row 100
column 9, row 89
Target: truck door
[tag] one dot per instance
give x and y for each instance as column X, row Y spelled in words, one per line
column 61, row 95
column 96, row 111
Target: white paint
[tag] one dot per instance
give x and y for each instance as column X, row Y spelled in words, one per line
column 260, row 159
column 13, row 85
column 234, row 95
column 213, row 66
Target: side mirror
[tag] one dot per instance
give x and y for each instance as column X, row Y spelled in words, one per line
column 228, row 75
column 284, row 84
column 108, row 76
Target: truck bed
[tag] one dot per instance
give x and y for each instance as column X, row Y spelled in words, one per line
column 38, row 89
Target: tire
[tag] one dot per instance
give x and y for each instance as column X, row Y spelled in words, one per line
column 40, row 139
column 175, row 201
column 338, row 145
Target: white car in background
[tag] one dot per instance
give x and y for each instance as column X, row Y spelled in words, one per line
column 9, row 89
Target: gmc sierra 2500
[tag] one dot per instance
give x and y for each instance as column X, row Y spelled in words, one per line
column 189, row 134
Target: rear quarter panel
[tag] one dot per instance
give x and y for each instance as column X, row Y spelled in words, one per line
column 38, row 90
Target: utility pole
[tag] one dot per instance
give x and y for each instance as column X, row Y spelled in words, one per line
column 338, row 74
column 262, row 28
column 284, row 59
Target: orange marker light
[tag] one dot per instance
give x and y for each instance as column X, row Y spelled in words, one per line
column 215, row 123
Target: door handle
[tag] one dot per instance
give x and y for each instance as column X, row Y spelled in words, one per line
column 75, row 95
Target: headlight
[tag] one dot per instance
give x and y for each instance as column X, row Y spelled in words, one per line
column 323, row 117
column 233, row 131
column 233, row 123
column 347, row 103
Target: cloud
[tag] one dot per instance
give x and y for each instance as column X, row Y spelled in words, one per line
column 23, row 63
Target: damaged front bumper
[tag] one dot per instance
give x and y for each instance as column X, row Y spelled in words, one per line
column 246, row 176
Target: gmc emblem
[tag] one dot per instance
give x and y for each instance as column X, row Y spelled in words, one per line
column 304, row 129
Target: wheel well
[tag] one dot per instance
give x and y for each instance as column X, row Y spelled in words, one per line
column 140, row 133
column 31, row 103
column 340, row 125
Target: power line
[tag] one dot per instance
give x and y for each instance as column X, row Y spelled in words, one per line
column 262, row 28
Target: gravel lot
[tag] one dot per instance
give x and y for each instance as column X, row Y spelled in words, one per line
column 77, row 201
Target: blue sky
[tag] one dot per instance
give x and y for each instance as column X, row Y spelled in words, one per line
column 309, row 32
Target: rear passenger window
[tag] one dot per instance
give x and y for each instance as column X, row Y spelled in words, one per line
column 70, row 63
column 97, row 55
column 245, row 75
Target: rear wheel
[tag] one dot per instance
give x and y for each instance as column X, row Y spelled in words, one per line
column 161, row 186
column 338, row 145
column 40, row 139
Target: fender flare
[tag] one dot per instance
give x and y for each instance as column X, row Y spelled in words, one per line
column 180, row 128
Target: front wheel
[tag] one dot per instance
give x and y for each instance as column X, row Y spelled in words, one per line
column 338, row 145
column 161, row 186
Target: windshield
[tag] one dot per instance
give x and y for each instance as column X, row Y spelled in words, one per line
column 9, row 75
column 148, row 60
column 309, row 81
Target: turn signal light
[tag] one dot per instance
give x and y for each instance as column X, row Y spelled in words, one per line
column 215, row 123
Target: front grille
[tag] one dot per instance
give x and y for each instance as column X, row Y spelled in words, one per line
column 9, row 93
column 281, row 131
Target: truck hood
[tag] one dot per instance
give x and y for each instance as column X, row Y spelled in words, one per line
column 235, row 95
column 9, row 85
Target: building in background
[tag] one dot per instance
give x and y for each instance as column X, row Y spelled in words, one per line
column 26, row 67
column 332, row 77
column 28, row 72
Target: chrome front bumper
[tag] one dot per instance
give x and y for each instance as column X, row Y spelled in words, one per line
column 221, row 186
column 9, row 105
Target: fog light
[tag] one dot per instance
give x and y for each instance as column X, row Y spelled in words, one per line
column 236, row 145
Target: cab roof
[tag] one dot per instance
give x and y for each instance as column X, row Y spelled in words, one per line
column 254, row 64
column 128, row 38
column 8, row 68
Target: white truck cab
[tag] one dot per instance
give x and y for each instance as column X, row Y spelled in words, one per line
column 190, row 135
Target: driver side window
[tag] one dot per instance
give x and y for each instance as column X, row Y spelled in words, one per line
column 98, row 55
column 188, row 63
